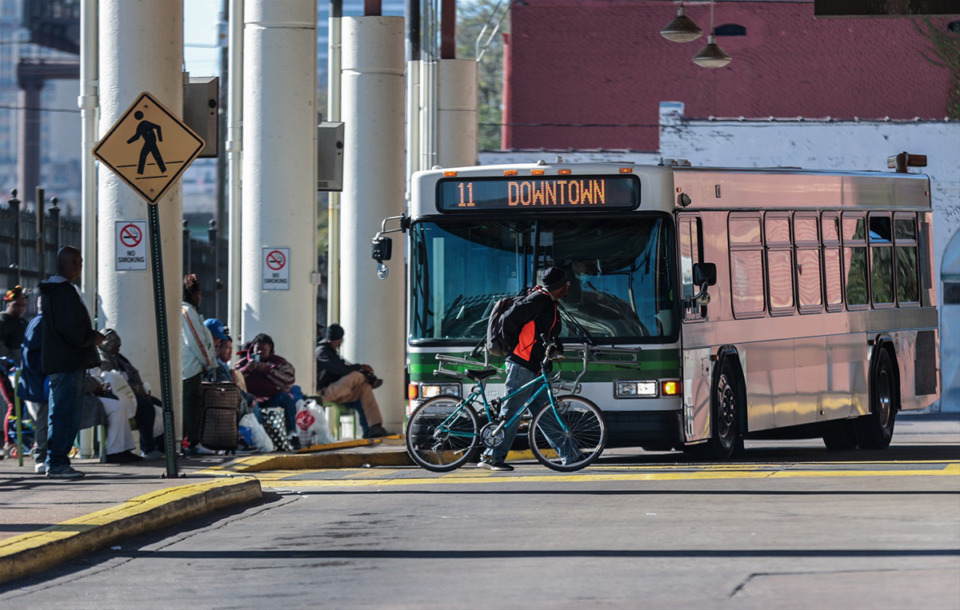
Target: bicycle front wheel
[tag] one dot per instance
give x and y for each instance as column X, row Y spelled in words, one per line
column 442, row 434
column 569, row 437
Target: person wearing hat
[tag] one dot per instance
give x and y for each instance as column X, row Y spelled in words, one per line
column 340, row 382
column 12, row 324
column 534, row 316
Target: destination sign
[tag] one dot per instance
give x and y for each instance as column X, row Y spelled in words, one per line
column 547, row 193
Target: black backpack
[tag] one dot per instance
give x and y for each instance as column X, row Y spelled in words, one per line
column 497, row 343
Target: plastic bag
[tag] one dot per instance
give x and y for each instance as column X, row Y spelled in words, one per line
column 273, row 423
column 312, row 424
column 258, row 436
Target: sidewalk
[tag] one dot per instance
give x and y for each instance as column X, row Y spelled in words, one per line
column 44, row 522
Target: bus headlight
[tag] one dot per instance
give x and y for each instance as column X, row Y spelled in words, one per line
column 429, row 390
column 636, row 389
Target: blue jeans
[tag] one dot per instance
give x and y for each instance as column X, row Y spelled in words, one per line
column 285, row 400
column 63, row 423
column 516, row 377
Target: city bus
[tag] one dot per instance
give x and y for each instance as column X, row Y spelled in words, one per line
column 708, row 305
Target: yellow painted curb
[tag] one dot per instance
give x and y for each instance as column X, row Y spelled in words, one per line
column 30, row 553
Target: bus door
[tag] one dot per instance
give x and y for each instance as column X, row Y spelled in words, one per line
column 695, row 351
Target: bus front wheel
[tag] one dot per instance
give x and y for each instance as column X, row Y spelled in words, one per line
column 727, row 408
column 874, row 431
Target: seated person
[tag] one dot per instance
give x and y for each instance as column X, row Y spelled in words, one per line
column 112, row 360
column 99, row 405
column 269, row 379
column 340, row 382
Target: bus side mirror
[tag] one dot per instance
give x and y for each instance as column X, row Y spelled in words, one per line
column 704, row 273
column 382, row 249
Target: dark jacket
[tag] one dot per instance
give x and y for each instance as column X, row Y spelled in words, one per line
column 330, row 366
column 68, row 337
column 11, row 336
column 33, row 384
column 268, row 376
column 533, row 316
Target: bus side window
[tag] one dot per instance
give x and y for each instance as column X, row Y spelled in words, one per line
column 905, row 239
column 881, row 260
column 832, row 270
column 807, row 240
column 691, row 251
column 855, row 259
column 779, row 263
column 746, row 265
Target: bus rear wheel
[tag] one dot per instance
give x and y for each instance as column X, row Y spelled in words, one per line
column 875, row 431
column 727, row 402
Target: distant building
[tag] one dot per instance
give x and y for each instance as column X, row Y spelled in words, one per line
column 585, row 74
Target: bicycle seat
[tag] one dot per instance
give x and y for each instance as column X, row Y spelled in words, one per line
column 481, row 374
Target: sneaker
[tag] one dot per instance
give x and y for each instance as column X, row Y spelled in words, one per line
column 40, row 468
column 124, row 457
column 498, row 467
column 376, row 431
column 64, row 472
column 156, row 454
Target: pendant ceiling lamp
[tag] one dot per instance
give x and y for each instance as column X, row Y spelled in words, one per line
column 711, row 55
column 681, row 29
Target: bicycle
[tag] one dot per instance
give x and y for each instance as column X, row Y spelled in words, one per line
column 566, row 434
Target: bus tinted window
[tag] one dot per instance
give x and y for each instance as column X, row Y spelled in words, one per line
column 880, row 229
column 746, row 282
column 833, row 279
column 855, row 263
column 808, row 280
column 778, row 229
column 908, row 288
column 882, row 275
column 906, row 228
column 805, row 230
column 744, row 229
column 780, row 263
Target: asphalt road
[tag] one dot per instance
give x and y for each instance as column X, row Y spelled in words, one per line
column 788, row 526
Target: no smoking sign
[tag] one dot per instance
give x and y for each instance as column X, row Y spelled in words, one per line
column 131, row 245
column 276, row 269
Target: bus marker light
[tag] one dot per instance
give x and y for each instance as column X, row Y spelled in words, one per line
column 671, row 388
column 509, row 172
column 564, row 172
column 626, row 170
column 449, row 174
column 413, row 391
column 536, row 172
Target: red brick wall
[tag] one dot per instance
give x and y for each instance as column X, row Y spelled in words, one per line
column 604, row 65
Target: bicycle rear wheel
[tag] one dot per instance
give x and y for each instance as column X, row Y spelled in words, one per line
column 570, row 437
column 442, row 434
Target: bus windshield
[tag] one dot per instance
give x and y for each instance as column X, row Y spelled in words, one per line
column 621, row 272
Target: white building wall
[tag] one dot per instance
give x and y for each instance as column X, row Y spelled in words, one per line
column 810, row 144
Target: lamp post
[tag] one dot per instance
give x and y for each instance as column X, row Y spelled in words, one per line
column 14, row 204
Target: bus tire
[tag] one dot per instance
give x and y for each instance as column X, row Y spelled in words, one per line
column 875, row 431
column 727, row 407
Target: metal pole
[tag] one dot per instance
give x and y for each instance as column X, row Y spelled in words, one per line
column 333, row 199
column 14, row 204
column 41, row 243
column 159, row 298
column 89, row 103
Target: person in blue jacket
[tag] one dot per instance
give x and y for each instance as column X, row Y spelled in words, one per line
column 34, row 387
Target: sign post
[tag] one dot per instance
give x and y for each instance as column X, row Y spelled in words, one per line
column 149, row 148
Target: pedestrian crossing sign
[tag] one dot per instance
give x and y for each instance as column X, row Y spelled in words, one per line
column 149, row 148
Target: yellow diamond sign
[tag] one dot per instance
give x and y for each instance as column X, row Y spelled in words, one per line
column 149, row 148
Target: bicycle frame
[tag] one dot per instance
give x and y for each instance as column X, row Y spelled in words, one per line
column 480, row 392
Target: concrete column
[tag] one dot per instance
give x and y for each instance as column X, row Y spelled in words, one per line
column 279, row 178
column 141, row 49
column 456, row 112
column 372, row 310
